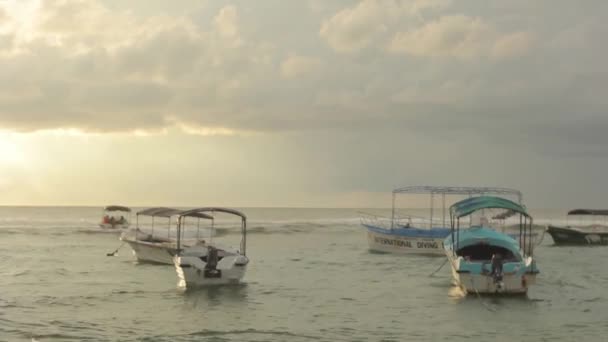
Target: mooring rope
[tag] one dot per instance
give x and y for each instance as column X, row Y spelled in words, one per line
column 483, row 302
column 116, row 251
column 440, row 267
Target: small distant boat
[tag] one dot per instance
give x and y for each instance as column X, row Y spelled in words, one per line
column 113, row 217
column 592, row 229
column 408, row 234
column 210, row 263
column 484, row 260
column 160, row 248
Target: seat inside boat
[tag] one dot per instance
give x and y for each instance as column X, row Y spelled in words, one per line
column 484, row 252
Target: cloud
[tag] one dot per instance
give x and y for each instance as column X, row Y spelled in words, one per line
column 227, row 24
column 355, row 28
column 294, row 66
column 513, row 45
column 117, row 72
column 3, row 16
column 455, row 36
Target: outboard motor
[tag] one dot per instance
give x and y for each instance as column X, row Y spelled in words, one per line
column 211, row 270
column 497, row 273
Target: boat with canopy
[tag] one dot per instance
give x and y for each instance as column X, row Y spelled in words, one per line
column 424, row 234
column 583, row 227
column 115, row 217
column 211, row 263
column 158, row 245
column 484, row 260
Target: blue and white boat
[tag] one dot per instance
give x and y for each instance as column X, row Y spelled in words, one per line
column 484, row 260
column 404, row 233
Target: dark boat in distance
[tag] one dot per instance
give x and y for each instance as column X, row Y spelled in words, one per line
column 591, row 233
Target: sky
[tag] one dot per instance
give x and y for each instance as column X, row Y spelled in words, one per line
column 306, row 103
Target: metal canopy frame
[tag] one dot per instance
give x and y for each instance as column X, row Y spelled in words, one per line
column 167, row 213
column 213, row 210
column 450, row 190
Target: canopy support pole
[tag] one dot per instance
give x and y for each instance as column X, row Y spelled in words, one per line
column 443, row 210
column 179, row 229
column 212, row 227
column 198, row 228
column 457, row 235
column 393, row 213
column 432, row 203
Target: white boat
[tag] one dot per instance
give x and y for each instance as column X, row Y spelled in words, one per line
column 211, row 264
column 415, row 234
column 113, row 217
column 485, row 261
column 161, row 246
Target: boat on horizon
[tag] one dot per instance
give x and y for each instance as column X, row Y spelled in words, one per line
column 415, row 234
column 483, row 260
column 160, row 247
column 590, row 231
column 113, row 217
column 210, row 263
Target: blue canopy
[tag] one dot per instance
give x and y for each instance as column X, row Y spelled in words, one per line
column 473, row 204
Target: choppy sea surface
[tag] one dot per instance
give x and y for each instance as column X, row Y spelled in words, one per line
column 311, row 278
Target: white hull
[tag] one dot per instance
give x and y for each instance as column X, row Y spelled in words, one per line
column 387, row 243
column 159, row 253
column 403, row 244
column 484, row 284
column 191, row 269
column 115, row 227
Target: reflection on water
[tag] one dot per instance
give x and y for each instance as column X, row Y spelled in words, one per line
column 210, row 296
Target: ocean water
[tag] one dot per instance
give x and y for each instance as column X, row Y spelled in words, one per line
column 311, row 278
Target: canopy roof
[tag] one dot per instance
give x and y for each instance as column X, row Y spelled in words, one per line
column 458, row 190
column 117, row 208
column 599, row 212
column 471, row 205
column 213, row 209
column 168, row 212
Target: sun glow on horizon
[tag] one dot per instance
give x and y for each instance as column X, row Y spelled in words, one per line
column 10, row 151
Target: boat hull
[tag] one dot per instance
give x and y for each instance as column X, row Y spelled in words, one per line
column 113, row 227
column 513, row 283
column 157, row 253
column 192, row 272
column 428, row 242
column 385, row 242
column 471, row 254
column 572, row 236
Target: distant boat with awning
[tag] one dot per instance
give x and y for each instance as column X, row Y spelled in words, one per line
column 584, row 227
column 115, row 217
